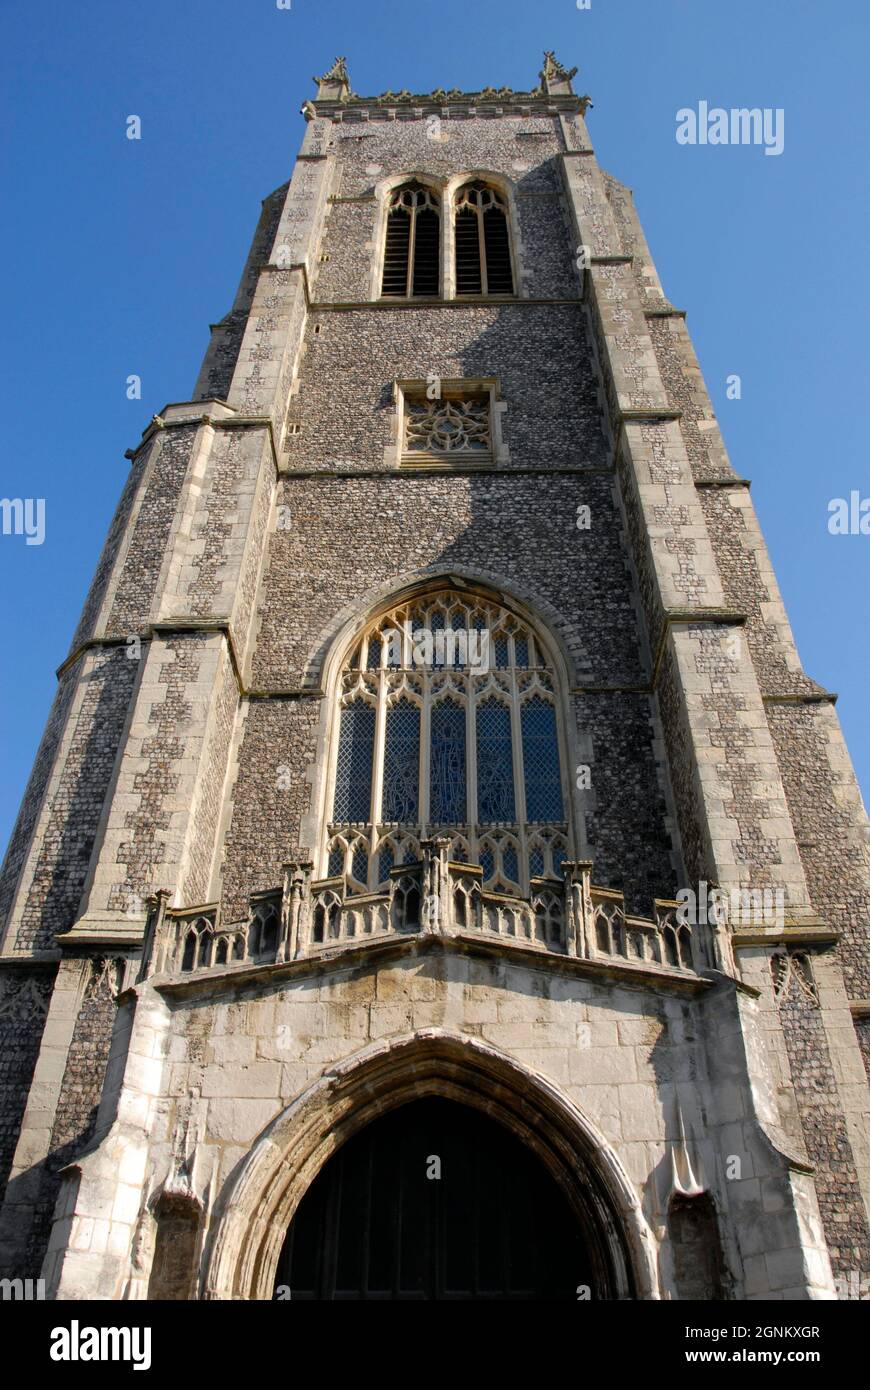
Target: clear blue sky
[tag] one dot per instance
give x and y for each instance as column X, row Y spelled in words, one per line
column 119, row 254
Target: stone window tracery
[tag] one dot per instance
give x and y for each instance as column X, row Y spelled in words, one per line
column 447, row 425
column 448, row 726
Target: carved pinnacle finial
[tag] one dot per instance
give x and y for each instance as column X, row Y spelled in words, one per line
column 555, row 79
column 334, row 85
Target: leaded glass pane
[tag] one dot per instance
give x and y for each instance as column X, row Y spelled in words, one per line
column 536, row 862
column 402, row 764
column 487, row 863
column 500, row 647
column 374, row 660
column 495, row 769
column 336, row 861
column 447, row 781
column 509, row 860
column 559, row 858
column 541, row 761
column 521, row 651
column 353, row 774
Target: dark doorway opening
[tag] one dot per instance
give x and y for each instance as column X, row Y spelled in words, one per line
column 435, row 1200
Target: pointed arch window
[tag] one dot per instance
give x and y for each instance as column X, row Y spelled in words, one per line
column 448, row 726
column 483, row 247
column 412, row 244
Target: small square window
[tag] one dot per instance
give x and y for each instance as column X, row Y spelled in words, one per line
column 446, row 423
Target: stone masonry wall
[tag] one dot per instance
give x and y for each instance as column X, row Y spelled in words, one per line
column 347, row 536
column 345, row 403
column 226, row 339
column 24, row 996
column 108, row 558
column 270, row 798
column 196, row 885
column 105, row 686
column 840, row 1200
column 81, row 1087
column 635, row 1062
column 137, row 583
column 20, row 841
column 830, row 824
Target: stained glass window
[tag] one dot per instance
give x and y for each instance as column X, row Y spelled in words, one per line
column 541, row 761
column 407, row 691
column 495, row 767
column 353, row 774
column 447, row 779
column 401, row 764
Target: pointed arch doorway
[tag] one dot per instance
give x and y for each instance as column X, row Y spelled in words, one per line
column 257, row 1206
column 436, row 1200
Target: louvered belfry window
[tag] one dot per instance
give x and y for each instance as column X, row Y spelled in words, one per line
column 483, row 250
column 411, row 250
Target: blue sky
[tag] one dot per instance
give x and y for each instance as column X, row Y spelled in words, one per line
column 120, row 253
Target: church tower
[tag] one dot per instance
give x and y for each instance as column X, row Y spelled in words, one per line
column 435, row 831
